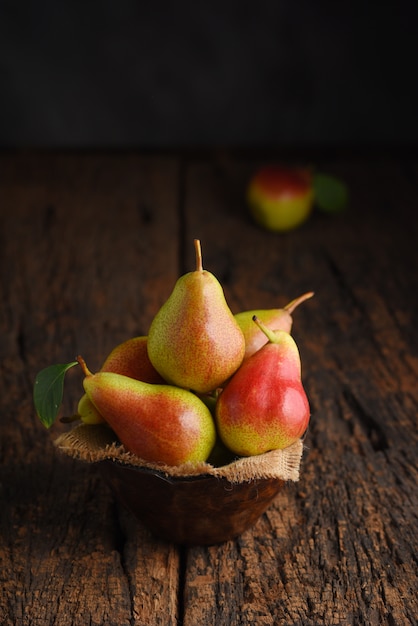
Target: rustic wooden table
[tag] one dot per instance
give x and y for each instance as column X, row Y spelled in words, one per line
column 91, row 245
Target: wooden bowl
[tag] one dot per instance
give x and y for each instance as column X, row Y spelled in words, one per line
column 199, row 510
column 200, row 505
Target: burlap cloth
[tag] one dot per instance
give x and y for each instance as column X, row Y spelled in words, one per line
column 93, row 444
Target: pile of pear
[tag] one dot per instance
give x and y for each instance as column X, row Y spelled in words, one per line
column 203, row 384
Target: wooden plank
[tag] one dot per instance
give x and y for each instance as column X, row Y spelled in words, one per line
column 340, row 546
column 90, row 247
column 87, row 253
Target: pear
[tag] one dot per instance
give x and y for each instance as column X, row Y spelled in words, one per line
column 161, row 424
column 129, row 358
column 194, row 341
column 264, row 405
column 280, row 198
column 87, row 412
column 276, row 319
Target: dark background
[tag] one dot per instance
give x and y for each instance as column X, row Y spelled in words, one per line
column 160, row 74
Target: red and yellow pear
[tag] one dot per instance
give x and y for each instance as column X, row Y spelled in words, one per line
column 194, row 341
column 281, row 198
column 264, row 405
column 129, row 358
column 161, row 424
column 275, row 319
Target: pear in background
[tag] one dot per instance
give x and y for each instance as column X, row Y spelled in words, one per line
column 161, row 424
column 264, row 405
column 194, row 340
column 276, row 319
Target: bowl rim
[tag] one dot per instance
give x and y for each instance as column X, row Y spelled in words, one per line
column 95, row 444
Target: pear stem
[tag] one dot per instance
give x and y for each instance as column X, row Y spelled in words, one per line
column 270, row 334
column 70, row 419
column 198, row 250
column 83, row 365
column 295, row 303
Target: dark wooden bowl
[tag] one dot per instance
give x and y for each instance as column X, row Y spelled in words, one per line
column 201, row 510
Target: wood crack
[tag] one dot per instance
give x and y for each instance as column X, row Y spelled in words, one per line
column 372, row 428
column 120, row 545
column 181, row 593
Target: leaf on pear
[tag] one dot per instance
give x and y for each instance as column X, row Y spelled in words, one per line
column 331, row 194
column 48, row 391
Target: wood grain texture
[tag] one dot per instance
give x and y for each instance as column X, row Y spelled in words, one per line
column 88, row 254
column 336, row 549
column 90, row 247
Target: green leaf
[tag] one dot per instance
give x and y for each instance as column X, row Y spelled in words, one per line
column 331, row 194
column 48, row 391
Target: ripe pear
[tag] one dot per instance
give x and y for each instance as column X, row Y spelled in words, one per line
column 194, row 341
column 280, row 198
column 161, row 424
column 87, row 412
column 129, row 358
column 264, row 405
column 276, row 319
